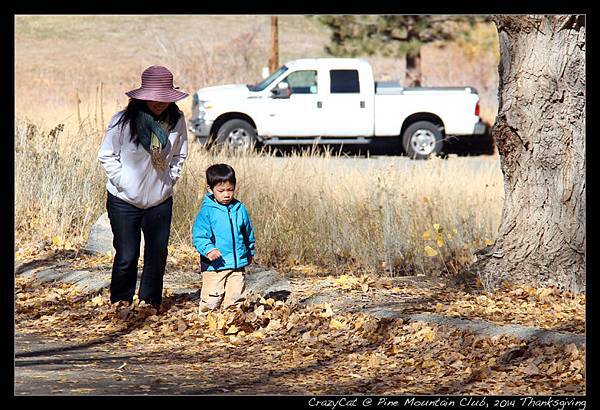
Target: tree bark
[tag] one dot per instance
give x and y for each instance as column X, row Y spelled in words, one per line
column 540, row 135
column 413, row 70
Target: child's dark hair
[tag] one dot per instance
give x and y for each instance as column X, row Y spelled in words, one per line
column 218, row 173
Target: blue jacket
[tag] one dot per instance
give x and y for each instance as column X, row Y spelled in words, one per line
column 224, row 227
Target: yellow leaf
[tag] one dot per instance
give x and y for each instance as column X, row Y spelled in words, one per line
column 346, row 281
column 429, row 251
column 258, row 334
column 438, row 228
column 212, row 323
column 328, row 311
column 440, row 240
column 232, row 330
column 426, row 235
column 335, row 324
column 425, row 199
column 56, row 240
column 342, row 279
column 427, row 333
column 97, row 300
column 429, row 363
column 488, row 242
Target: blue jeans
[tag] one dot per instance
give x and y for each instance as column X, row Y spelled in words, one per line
column 127, row 223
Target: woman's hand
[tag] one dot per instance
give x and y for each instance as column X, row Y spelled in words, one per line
column 214, row 255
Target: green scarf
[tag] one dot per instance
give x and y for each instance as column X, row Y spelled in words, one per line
column 153, row 136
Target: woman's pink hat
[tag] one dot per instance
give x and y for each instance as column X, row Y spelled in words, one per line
column 157, row 85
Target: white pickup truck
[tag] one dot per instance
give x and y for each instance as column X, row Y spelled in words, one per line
column 334, row 101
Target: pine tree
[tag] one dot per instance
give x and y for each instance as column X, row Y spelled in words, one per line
column 392, row 36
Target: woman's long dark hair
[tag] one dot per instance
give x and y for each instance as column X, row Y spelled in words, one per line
column 130, row 114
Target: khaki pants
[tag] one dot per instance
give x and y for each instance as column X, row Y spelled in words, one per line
column 222, row 288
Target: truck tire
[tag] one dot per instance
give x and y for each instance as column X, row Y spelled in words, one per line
column 237, row 135
column 422, row 139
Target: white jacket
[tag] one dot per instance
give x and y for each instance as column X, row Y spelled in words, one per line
column 131, row 175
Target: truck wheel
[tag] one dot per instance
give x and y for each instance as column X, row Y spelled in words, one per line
column 422, row 139
column 237, row 135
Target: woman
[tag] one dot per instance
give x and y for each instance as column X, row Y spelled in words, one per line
column 143, row 152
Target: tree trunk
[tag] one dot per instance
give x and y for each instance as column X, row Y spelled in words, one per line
column 540, row 136
column 413, row 70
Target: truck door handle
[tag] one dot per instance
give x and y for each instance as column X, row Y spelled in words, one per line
column 362, row 104
column 319, row 104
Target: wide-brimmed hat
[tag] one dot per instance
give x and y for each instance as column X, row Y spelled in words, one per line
column 157, row 85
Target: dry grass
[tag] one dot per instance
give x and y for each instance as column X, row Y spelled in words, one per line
column 307, row 208
column 73, row 70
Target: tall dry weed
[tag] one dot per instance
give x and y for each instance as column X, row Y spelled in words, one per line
column 317, row 208
column 340, row 212
column 58, row 184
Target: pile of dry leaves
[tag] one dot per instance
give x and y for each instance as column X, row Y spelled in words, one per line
column 310, row 350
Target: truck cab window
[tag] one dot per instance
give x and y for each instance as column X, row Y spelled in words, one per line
column 344, row 81
column 302, row 82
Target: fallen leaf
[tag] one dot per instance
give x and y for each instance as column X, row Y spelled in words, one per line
column 531, row 370
column 429, row 251
column 336, row 324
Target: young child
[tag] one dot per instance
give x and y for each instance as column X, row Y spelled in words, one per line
column 224, row 237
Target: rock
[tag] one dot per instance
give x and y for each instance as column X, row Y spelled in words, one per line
column 100, row 240
column 48, row 275
column 29, row 269
column 493, row 329
column 192, row 293
column 317, row 300
column 268, row 284
column 89, row 281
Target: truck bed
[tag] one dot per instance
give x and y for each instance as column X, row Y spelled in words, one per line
column 393, row 87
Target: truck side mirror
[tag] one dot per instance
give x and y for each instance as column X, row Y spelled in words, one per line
column 282, row 90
